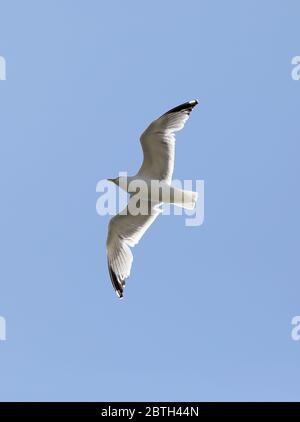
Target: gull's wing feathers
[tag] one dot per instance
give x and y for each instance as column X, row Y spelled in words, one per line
column 158, row 142
column 124, row 231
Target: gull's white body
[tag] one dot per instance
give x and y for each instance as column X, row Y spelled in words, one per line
column 157, row 191
column 125, row 229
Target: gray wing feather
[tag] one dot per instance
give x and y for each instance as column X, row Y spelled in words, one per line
column 124, row 232
column 158, row 142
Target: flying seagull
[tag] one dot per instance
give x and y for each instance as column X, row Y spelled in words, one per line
column 127, row 228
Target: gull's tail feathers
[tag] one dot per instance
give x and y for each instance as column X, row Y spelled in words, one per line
column 185, row 198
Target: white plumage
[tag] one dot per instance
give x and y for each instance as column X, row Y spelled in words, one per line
column 125, row 230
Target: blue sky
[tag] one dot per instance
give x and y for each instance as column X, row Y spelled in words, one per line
column 207, row 314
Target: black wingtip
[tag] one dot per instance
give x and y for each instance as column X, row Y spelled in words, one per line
column 117, row 285
column 119, row 293
column 188, row 106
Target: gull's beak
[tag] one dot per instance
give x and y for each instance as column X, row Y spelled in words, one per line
column 110, row 180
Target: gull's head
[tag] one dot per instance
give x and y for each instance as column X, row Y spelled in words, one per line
column 116, row 181
column 121, row 181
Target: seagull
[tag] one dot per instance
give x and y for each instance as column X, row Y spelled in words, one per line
column 127, row 228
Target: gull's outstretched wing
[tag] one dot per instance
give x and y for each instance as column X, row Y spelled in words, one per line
column 158, row 142
column 124, row 231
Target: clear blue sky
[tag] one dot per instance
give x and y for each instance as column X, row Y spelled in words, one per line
column 207, row 315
